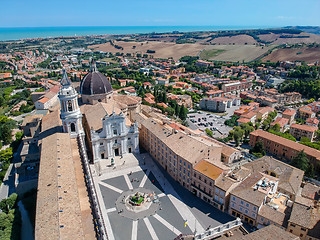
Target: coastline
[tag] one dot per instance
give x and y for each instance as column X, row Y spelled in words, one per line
column 20, row 33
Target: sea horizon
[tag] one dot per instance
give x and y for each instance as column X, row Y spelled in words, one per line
column 19, row 33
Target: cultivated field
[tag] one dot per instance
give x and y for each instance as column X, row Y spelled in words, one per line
column 275, row 38
column 162, row 49
column 309, row 55
column 234, row 53
column 239, row 39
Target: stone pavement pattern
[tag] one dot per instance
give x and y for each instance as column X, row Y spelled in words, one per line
column 167, row 221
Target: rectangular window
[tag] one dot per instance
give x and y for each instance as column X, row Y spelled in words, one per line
column 233, row 198
column 254, row 209
column 115, row 132
column 253, row 215
column 247, row 204
column 241, row 202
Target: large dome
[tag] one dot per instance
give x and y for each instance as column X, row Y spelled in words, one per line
column 95, row 82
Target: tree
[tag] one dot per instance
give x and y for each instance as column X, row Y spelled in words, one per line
column 11, row 200
column 183, row 112
column 310, row 171
column 247, row 128
column 258, row 148
column 305, row 139
column 6, row 134
column 170, row 111
column 4, row 206
column 237, row 135
column 231, row 133
column 209, row 132
column 176, row 109
column 301, row 161
column 276, row 127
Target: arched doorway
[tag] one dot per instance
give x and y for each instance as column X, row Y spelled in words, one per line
column 73, row 127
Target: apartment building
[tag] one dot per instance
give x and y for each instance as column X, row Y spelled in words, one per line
column 315, row 106
column 283, row 123
column 201, row 63
column 305, row 219
column 216, row 104
column 236, row 87
column 312, row 122
column 266, row 196
column 164, row 145
column 247, row 198
column 204, row 78
column 229, row 154
column 289, row 114
column 267, row 101
column 305, row 112
column 214, row 93
column 184, row 100
column 284, row 148
column 236, row 101
column 203, row 180
column 224, row 184
column 299, row 131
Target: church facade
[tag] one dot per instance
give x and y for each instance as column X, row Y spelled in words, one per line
column 115, row 138
column 104, row 118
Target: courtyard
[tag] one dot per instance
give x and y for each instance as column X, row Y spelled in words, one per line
column 165, row 209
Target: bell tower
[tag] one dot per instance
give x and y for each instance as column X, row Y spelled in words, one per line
column 70, row 112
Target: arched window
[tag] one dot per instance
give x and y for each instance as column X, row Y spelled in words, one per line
column 69, row 106
column 73, row 127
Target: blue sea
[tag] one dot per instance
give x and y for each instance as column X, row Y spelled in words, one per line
column 18, row 33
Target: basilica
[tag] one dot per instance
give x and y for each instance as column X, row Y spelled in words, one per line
column 100, row 116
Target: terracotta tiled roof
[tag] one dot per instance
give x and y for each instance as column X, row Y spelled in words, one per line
column 304, row 127
column 208, row 169
column 288, row 143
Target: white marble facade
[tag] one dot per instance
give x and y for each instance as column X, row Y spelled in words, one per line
column 115, row 138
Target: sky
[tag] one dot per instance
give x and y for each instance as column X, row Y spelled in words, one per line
column 271, row 13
